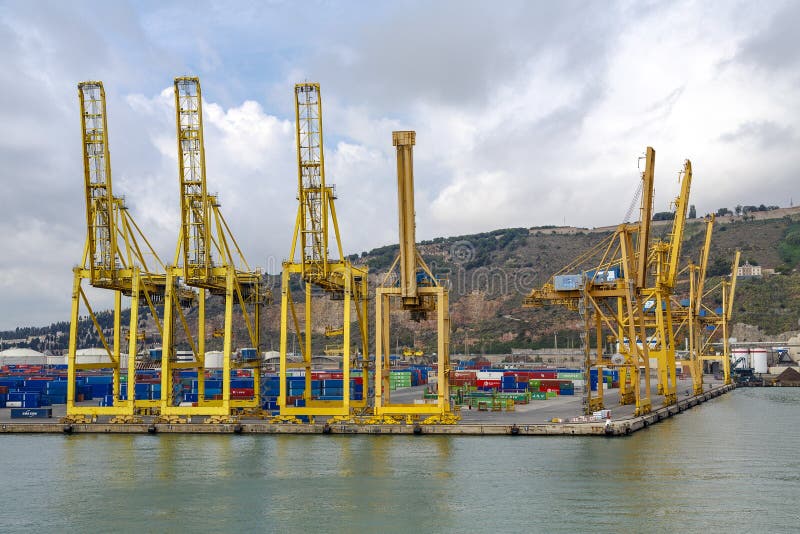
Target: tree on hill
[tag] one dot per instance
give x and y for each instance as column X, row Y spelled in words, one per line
column 664, row 216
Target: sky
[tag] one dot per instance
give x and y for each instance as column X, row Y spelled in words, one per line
column 526, row 113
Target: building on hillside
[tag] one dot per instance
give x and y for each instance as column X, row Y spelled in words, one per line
column 748, row 271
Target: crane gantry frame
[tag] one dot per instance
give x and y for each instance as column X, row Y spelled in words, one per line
column 716, row 324
column 114, row 259
column 420, row 293
column 664, row 265
column 611, row 295
column 703, row 324
column 206, row 259
column 339, row 278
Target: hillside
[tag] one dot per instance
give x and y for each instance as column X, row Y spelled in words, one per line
column 489, row 274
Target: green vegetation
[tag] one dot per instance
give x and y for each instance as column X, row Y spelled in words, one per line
column 380, row 259
column 771, row 303
column 664, row 216
column 789, row 246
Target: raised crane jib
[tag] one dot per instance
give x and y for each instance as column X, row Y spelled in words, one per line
column 195, row 202
column 413, row 270
column 703, row 265
column 316, row 213
column 679, row 223
column 646, row 214
column 311, row 179
column 100, row 202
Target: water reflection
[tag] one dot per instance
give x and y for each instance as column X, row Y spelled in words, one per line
column 736, row 453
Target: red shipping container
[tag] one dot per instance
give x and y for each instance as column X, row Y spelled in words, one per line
column 488, row 383
column 464, row 375
column 238, row 393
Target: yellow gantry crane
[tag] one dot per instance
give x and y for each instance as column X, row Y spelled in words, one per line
column 316, row 269
column 419, row 293
column 715, row 323
column 609, row 293
column 707, row 326
column 664, row 266
column 114, row 259
column 206, row 259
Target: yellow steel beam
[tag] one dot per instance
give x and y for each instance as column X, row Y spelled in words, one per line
column 413, row 297
column 643, row 239
column 404, row 143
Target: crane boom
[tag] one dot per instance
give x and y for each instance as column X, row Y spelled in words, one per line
column 679, row 225
column 732, row 290
column 646, row 212
column 703, row 265
column 100, row 200
column 313, row 193
column 195, row 206
column 404, row 141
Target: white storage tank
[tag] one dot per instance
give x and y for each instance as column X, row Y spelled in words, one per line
column 759, row 360
column 743, row 354
column 92, row 355
column 56, row 360
column 16, row 356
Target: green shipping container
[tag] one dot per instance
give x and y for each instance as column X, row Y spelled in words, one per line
column 538, row 395
column 570, row 376
column 551, row 394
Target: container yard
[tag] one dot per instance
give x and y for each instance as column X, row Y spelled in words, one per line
column 489, row 401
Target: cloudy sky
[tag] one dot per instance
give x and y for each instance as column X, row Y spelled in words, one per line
column 527, row 114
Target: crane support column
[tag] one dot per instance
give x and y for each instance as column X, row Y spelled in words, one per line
column 419, row 293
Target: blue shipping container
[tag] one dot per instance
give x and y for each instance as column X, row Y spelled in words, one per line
column 31, row 413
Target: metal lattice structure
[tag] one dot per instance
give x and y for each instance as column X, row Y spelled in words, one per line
column 206, row 259
column 310, row 263
column 195, row 205
column 115, row 258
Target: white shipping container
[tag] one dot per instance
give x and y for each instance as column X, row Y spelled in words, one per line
column 13, row 404
column 489, row 375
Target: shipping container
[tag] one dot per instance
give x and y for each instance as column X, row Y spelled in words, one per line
column 567, row 282
column 31, row 413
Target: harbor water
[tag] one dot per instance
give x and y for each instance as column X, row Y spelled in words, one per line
column 728, row 465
